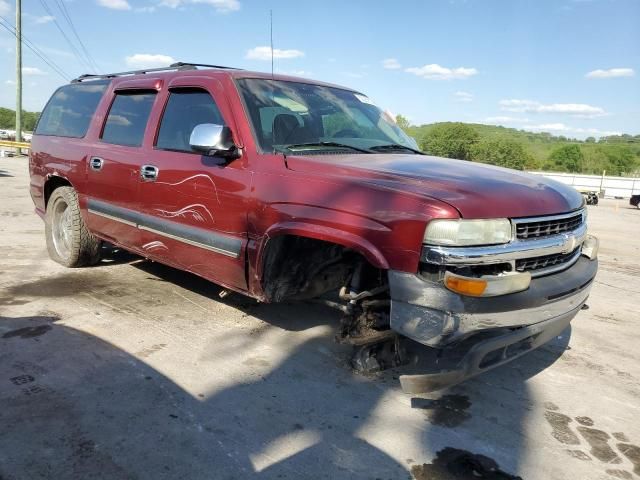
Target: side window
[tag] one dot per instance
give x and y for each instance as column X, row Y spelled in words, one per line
column 69, row 112
column 185, row 109
column 128, row 117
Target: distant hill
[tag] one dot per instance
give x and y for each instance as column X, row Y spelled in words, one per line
column 619, row 154
column 8, row 119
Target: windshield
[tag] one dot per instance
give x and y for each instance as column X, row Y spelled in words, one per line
column 301, row 117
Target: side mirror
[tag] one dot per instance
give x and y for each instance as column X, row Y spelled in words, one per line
column 213, row 140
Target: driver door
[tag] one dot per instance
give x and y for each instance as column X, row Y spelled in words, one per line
column 194, row 207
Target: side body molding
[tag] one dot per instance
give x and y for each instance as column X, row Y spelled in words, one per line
column 223, row 244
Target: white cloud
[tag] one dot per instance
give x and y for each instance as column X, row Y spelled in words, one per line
column 500, row 119
column 264, row 53
column 562, row 128
column 391, row 64
column 574, row 109
column 5, row 8
column 463, row 96
column 32, row 71
column 148, row 60
column 10, row 82
column 437, row 72
column 221, row 6
column 115, row 4
column 44, row 19
column 611, row 73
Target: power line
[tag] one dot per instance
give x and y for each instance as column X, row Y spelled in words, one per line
column 67, row 17
column 31, row 46
column 76, row 52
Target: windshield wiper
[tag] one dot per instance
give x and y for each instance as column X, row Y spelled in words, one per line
column 395, row 146
column 293, row 146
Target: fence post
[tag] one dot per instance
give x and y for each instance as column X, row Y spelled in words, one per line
column 601, row 192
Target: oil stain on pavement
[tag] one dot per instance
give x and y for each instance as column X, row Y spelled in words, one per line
column 597, row 442
column 455, row 464
column 446, row 411
column 28, row 332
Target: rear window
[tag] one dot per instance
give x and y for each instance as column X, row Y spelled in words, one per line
column 70, row 109
column 128, row 117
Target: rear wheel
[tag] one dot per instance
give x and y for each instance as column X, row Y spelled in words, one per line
column 69, row 242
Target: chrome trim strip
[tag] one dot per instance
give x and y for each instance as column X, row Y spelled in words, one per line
column 111, row 217
column 516, row 250
column 555, row 268
column 227, row 245
column 548, row 217
column 190, row 242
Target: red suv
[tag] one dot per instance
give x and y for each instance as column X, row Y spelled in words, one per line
column 283, row 188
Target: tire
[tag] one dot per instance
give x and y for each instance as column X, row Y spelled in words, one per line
column 69, row 242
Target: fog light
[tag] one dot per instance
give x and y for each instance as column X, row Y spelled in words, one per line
column 488, row 286
column 590, row 247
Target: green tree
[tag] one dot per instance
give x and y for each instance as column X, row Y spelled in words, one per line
column 502, row 152
column 590, row 140
column 452, row 140
column 403, row 122
column 620, row 160
column 567, row 158
column 8, row 119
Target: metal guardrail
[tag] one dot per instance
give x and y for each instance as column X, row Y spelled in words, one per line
column 606, row 186
column 20, row 145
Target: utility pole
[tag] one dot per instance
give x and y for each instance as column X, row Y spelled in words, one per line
column 18, row 70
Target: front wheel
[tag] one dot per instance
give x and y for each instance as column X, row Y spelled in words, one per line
column 69, row 242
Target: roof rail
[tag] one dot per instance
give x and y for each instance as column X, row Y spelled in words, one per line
column 173, row 66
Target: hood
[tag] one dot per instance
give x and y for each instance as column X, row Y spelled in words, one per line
column 476, row 190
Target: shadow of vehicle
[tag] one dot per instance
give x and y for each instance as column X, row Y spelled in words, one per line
column 75, row 406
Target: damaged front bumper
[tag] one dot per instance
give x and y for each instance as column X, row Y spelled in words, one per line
column 506, row 326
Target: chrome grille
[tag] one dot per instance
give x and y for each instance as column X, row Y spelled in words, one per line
column 536, row 264
column 545, row 227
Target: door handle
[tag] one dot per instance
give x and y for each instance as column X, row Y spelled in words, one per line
column 96, row 163
column 149, row 173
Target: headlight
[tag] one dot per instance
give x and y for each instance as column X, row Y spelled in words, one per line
column 468, row 232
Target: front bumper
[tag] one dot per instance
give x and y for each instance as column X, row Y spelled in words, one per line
column 489, row 353
column 429, row 313
column 483, row 333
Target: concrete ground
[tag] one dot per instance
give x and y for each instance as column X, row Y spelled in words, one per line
column 134, row 370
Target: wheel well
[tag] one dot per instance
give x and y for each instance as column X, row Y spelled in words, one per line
column 53, row 183
column 297, row 268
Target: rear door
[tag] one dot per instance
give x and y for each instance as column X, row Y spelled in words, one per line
column 194, row 208
column 114, row 166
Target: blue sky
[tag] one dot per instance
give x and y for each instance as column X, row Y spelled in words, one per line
column 570, row 67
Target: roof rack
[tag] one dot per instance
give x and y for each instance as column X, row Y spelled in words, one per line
column 173, row 66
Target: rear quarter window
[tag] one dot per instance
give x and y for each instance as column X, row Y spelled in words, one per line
column 70, row 109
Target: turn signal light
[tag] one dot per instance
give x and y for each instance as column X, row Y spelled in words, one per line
column 466, row 286
column 489, row 285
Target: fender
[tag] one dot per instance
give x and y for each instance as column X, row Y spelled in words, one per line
column 324, row 233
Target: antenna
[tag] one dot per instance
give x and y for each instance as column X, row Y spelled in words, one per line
column 271, row 33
